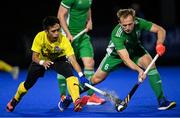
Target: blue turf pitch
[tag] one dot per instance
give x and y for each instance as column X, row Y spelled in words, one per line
column 41, row 100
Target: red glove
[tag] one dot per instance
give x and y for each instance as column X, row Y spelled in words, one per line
column 160, row 49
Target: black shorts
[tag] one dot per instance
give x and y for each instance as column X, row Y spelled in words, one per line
column 61, row 65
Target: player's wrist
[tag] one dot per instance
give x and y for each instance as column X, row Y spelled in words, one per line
column 41, row 62
column 80, row 74
column 159, row 44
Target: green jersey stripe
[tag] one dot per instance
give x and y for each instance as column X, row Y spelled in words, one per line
column 119, row 32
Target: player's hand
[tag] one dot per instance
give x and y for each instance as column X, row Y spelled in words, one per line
column 141, row 76
column 160, row 49
column 47, row 64
column 83, row 80
column 70, row 37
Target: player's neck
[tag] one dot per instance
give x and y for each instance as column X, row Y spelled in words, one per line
column 52, row 39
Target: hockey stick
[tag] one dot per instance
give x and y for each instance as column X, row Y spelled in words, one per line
column 111, row 97
column 133, row 90
column 79, row 34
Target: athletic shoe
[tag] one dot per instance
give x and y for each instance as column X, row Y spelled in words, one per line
column 95, row 100
column 165, row 104
column 79, row 103
column 11, row 105
column 64, row 102
column 15, row 72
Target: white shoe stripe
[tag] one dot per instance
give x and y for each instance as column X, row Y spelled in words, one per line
column 92, row 103
column 167, row 107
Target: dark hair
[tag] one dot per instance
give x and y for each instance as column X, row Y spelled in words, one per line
column 49, row 21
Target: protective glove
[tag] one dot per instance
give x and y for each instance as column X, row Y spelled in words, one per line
column 160, row 49
column 83, row 80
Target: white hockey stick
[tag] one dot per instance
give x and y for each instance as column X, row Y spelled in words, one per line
column 111, row 97
column 79, row 34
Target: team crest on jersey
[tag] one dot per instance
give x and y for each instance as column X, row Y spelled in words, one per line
column 57, row 49
column 50, row 52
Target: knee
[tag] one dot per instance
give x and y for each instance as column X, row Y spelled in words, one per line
column 27, row 85
column 96, row 79
column 89, row 63
column 22, row 87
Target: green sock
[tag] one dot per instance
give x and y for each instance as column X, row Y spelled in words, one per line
column 156, row 83
column 62, row 84
column 88, row 74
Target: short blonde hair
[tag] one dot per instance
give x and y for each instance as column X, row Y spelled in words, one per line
column 126, row 12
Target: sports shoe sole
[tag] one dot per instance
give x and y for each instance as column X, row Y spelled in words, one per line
column 95, row 103
column 170, row 106
column 60, row 108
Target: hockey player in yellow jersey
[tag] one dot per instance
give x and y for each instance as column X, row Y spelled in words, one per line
column 51, row 50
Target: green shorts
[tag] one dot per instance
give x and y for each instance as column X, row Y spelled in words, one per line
column 82, row 47
column 111, row 62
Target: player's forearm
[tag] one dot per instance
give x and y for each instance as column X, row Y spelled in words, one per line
column 89, row 18
column 62, row 13
column 124, row 55
column 74, row 63
column 161, row 35
column 77, row 68
column 64, row 25
column 89, row 21
column 131, row 65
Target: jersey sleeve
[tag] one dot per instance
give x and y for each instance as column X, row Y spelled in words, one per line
column 67, row 3
column 36, row 46
column 118, row 39
column 144, row 24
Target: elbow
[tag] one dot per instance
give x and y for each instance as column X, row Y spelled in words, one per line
column 33, row 59
column 164, row 31
column 60, row 16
